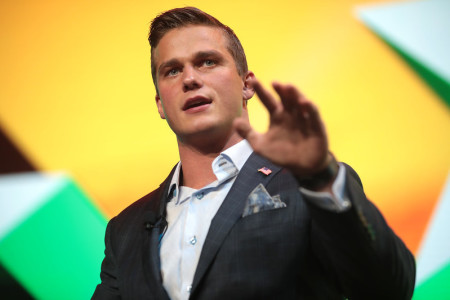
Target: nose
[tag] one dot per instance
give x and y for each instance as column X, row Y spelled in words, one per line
column 191, row 79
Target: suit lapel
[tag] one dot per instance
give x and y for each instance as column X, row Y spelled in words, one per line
column 231, row 210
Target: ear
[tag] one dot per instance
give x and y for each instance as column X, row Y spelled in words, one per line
column 248, row 91
column 160, row 107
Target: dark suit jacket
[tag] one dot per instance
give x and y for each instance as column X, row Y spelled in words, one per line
column 296, row 252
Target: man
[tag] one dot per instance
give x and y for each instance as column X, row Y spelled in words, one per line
column 245, row 215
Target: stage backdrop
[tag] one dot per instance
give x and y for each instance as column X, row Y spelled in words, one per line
column 77, row 110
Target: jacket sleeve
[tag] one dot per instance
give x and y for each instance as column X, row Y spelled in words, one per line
column 362, row 252
column 108, row 289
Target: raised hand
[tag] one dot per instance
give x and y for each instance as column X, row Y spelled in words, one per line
column 296, row 138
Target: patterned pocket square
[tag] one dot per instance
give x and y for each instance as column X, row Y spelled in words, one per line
column 260, row 200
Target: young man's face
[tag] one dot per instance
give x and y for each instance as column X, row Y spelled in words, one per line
column 200, row 90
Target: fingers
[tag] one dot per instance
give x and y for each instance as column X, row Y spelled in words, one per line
column 312, row 114
column 265, row 96
column 293, row 100
column 290, row 96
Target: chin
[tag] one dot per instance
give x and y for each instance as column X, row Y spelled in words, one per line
column 206, row 132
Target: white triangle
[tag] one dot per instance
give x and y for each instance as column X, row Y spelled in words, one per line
column 434, row 252
column 419, row 28
column 22, row 194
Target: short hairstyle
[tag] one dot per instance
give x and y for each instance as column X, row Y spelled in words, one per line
column 185, row 16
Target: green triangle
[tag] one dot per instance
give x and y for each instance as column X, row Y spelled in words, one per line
column 56, row 252
column 418, row 32
column 440, row 86
column 437, row 287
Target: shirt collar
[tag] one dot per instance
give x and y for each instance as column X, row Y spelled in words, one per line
column 236, row 154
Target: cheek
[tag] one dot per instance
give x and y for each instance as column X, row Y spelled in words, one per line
column 165, row 91
column 231, row 87
column 166, row 94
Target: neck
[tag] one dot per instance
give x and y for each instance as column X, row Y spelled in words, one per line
column 196, row 160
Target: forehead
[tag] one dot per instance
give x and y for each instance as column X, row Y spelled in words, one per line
column 188, row 40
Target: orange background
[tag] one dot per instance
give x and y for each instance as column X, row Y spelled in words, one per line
column 76, row 95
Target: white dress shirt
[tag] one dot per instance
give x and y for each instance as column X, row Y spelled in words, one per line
column 189, row 215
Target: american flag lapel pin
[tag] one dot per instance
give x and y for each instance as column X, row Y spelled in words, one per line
column 266, row 171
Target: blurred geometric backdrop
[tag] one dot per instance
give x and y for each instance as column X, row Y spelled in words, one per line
column 80, row 137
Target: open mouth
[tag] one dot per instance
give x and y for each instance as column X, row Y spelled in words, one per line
column 193, row 103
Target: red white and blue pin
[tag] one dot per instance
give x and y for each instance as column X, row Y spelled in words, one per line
column 266, row 171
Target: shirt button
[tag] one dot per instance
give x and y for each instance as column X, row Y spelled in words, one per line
column 193, row 240
column 346, row 203
column 199, row 196
column 189, row 288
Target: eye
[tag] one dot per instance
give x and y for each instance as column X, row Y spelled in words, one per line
column 209, row 62
column 172, row 72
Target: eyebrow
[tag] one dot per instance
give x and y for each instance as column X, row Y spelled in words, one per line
column 168, row 64
column 205, row 54
column 199, row 55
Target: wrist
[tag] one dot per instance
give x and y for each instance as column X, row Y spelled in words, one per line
column 323, row 178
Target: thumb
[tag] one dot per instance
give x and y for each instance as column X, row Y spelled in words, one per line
column 245, row 130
